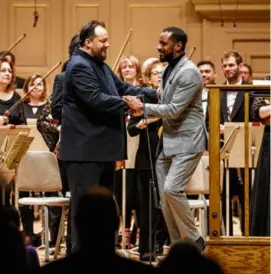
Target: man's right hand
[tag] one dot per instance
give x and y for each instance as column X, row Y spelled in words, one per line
column 119, row 165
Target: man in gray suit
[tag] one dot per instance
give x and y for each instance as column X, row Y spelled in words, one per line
column 184, row 139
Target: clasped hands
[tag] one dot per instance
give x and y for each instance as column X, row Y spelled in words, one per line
column 135, row 105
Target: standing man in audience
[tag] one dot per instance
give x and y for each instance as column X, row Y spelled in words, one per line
column 208, row 73
column 183, row 140
column 232, row 110
column 92, row 130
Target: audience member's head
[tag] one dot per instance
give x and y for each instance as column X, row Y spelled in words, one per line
column 232, row 62
column 185, row 256
column 9, row 215
column 246, row 73
column 12, row 253
column 97, row 219
column 208, row 73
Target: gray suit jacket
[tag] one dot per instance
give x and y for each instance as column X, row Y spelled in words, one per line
column 180, row 107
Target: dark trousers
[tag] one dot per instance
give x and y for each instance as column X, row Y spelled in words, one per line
column 65, row 188
column 236, row 189
column 82, row 176
column 131, row 202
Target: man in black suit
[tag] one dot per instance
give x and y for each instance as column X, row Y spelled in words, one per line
column 93, row 128
column 232, row 110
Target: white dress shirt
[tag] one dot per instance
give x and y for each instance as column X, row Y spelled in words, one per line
column 231, row 97
column 204, row 101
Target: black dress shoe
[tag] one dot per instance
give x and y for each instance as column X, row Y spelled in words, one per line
column 159, row 249
column 200, row 243
column 146, row 257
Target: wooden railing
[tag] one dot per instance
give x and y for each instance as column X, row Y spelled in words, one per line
column 214, row 151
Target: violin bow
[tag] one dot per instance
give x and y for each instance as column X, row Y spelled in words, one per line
column 22, row 37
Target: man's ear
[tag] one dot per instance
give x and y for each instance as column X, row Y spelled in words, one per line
column 178, row 46
column 88, row 43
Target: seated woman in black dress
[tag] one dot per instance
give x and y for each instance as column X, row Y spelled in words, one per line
column 8, row 96
column 35, row 101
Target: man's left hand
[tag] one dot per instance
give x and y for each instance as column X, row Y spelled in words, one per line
column 133, row 102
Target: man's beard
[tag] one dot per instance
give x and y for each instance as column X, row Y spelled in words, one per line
column 166, row 57
column 99, row 57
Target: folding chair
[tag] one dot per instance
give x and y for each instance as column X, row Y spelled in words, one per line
column 38, row 171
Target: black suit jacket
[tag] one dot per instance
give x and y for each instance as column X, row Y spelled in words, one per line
column 57, row 96
column 93, row 127
column 238, row 110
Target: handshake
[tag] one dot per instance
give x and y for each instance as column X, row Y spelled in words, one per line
column 135, row 105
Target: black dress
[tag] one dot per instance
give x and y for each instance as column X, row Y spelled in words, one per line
column 30, row 111
column 16, row 116
column 260, row 196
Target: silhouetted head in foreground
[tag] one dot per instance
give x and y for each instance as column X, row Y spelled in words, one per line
column 98, row 219
column 185, row 256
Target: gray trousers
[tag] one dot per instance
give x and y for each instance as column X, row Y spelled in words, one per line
column 173, row 174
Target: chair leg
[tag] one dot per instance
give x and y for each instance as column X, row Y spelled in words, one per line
column 222, row 224
column 60, row 232
column 46, row 230
column 203, row 221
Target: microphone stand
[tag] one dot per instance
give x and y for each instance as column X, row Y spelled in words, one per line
column 152, row 191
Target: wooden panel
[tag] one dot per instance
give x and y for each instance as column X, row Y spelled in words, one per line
column 21, row 21
column 83, row 13
column 162, row 15
column 241, row 256
column 79, row 12
column 248, row 39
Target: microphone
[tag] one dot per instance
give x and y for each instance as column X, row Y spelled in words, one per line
column 36, row 18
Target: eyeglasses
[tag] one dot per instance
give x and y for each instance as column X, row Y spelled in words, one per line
column 156, row 72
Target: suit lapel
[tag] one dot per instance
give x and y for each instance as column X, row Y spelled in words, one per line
column 224, row 106
column 172, row 74
column 237, row 104
column 105, row 79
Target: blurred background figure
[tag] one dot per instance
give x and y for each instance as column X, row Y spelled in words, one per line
column 246, row 74
column 34, row 102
